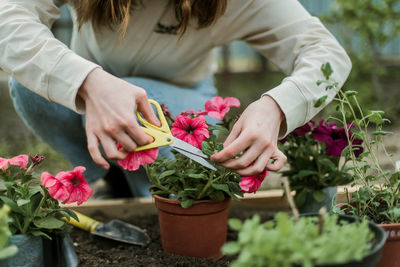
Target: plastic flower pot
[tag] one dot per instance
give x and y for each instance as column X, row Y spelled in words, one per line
column 198, row 231
column 30, row 252
column 313, row 206
column 36, row 251
column 375, row 254
column 391, row 249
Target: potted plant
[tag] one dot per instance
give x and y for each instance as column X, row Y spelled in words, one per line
column 377, row 195
column 315, row 163
column 193, row 200
column 35, row 213
column 309, row 240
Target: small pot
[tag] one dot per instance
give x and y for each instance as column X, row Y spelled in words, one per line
column 198, row 231
column 30, row 252
column 391, row 249
column 313, row 206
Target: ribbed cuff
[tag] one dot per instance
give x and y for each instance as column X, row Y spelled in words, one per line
column 292, row 103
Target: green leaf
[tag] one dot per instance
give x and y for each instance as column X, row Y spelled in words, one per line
column 375, row 116
column 40, row 233
column 206, row 148
column 381, row 133
column 326, row 70
column 198, row 176
column 222, row 187
column 14, row 207
column 350, row 93
column 21, row 202
column 300, row 198
column 319, row 196
column 320, row 101
column 230, row 248
column 8, row 252
column 235, row 224
column 48, row 223
column 166, row 173
column 187, row 203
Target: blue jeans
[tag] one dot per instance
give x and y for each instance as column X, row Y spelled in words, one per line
column 64, row 131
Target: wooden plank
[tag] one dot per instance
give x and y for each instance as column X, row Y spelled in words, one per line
column 124, row 208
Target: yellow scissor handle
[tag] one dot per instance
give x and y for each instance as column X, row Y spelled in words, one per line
column 85, row 223
column 162, row 135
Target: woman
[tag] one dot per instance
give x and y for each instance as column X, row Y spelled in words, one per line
column 166, row 48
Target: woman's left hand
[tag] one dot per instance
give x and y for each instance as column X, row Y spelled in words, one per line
column 256, row 135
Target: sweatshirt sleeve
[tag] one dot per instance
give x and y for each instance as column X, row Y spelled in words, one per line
column 287, row 35
column 34, row 57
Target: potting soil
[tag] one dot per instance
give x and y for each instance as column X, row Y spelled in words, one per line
column 97, row 251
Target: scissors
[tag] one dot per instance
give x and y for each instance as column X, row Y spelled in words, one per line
column 163, row 137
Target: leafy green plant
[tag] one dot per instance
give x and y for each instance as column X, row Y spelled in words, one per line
column 5, row 234
column 377, row 197
column 306, row 242
column 32, row 210
column 183, row 179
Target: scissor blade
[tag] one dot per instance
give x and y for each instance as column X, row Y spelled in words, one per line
column 182, row 145
column 196, row 158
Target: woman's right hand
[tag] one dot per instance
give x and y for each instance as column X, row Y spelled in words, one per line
column 110, row 115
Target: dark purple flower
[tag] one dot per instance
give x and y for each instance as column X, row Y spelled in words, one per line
column 303, row 130
column 323, row 131
column 335, row 138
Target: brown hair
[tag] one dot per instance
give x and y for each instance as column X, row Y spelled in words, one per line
column 118, row 12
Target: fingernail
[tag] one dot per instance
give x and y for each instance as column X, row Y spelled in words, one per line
column 105, row 167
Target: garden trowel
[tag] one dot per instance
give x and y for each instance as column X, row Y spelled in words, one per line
column 115, row 229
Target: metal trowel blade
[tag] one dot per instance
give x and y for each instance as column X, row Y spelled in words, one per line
column 122, row 231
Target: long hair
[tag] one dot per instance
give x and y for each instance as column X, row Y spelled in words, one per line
column 119, row 12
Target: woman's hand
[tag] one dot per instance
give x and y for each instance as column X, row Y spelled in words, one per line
column 256, row 133
column 110, row 105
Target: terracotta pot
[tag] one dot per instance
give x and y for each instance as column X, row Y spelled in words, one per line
column 198, row 231
column 391, row 249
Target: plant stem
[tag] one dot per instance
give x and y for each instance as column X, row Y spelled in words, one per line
column 210, row 176
column 286, row 187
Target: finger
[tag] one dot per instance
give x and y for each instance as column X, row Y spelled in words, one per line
column 94, row 151
column 258, row 166
column 279, row 160
column 145, row 108
column 126, row 142
column 137, row 134
column 237, row 146
column 110, row 148
column 247, row 158
column 233, row 134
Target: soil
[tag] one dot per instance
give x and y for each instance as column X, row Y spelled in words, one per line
column 96, row 251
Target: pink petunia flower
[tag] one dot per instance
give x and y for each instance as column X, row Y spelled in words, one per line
column 21, row 160
column 57, row 188
column 217, row 106
column 81, row 190
column 193, row 131
column 250, row 184
column 68, row 187
column 135, row 159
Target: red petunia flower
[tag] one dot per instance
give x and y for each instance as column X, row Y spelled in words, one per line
column 250, row 184
column 135, row 159
column 21, row 160
column 217, row 106
column 68, row 187
column 193, row 131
